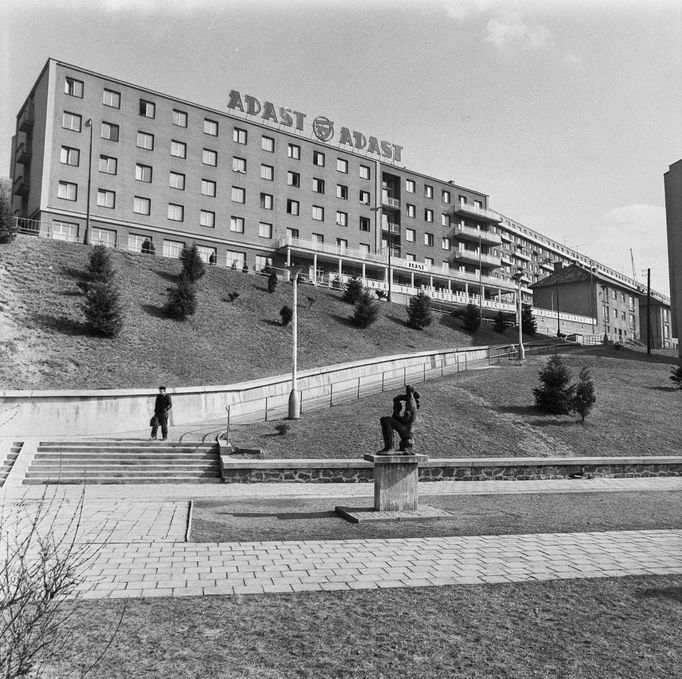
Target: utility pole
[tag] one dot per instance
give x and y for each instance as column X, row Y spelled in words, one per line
column 648, row 312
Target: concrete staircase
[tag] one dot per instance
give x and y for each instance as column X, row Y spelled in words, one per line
column 124, row 461
column 9, row 459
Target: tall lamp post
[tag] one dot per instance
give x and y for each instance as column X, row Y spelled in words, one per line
column 294, row 396
column 86, row 235
column 517, row 277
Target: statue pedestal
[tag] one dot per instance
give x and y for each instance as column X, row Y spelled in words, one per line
column 395, row 481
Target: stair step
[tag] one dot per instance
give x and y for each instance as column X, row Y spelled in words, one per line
column 130, row 442
column 96, row 457
column 121, row 480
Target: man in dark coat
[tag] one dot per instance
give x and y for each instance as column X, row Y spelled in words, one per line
column 162, row 408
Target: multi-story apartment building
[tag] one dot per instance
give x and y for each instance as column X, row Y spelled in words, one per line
column 98, row 160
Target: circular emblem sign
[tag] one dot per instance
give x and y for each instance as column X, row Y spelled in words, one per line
column 323, row 128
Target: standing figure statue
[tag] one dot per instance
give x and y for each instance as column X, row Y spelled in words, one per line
column 403, row 422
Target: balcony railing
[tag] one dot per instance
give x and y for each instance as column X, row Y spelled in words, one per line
column 474, row 257
column 23, row 154
column 469, row 233
column 27, row 119
column 391, row 227
column 387, row 201
column 21, row 186
column 520, row 254
column 477, row 212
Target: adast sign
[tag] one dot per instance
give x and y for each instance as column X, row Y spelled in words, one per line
column 323, row 128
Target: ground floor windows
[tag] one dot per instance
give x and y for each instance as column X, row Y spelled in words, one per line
column 65, row 231
column 172, row 248
column 136, row 241
column 262, row 262
column 207, row 254
column 106, row 237
column 235, row 260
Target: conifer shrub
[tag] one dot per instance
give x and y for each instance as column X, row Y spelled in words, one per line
column 472, row 318
column 272, row 281
column 352, row 290
column 366, row 310
column 584, row 398
column 529, row 325
column 102, row 308
column 182, row 299
column 676, row 376
column 8, row 225
column 286, row 313
column 192, row 265
column 100, row 267
column 419, row 311
column 500, row 324
column 555, row 393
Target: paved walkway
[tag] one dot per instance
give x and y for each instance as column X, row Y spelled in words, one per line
column 136, row 535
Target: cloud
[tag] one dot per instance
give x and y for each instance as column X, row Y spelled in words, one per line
column 509, row 32
column 459, row 10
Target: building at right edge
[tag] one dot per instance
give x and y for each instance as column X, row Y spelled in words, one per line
column 673, row 210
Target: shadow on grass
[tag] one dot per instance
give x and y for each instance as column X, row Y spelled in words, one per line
column 170, row 277
column 62, row 324
column 629, row 355
column 154, row 310
column 665, row 389
column 277, row 324
column 520, row 410
column 72, row 272
column 344, row 320
column 674, row 593
column 72, row 293
column 287, row 516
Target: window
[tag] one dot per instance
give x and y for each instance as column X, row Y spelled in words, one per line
column 207, row 219
column 239, row 165
column 318, row 158
column 365, row 224
column 69, row 156
column 209, row 157
column 445, row 243
column 410, row 257
column 179, row 118
column 411, row 210
column 428, row 261
column 65, row 231
column 342, row 165
column 318, row 213
column 237, row 224
column 147, row 109
column 111, row 98
column 145, row 141
column 239, row 136
column 266, row 201
column 342, row 191
column 445, row 196
column 206, row 254
column 178, row 149
column 294, row 151
column 365, row 172
column 364, row 197
column 210, row 127
column 106, row 198
column 142, row 205
column 341, row 244
column 409, row 185
column 428, row 191
column 176, row 212
column 410, row 235
column 264, row 230
column 615, row 314
column 238, row 194
column 267, row 144
column 318, row 185
column 172, row 248
column 292, row 233
column 71, row 121
column 445, row 220
column 293, row 179
column 67, row 190
column 292, row 207
column 341, row 218
column 109, row 131
column 105, row 237
column 208, row 188
column 143, row 173
column 428, row 215
column 108, row 164
column 263, row 261
column 364, row 248
column 235, row 260
column 177, row 181
column 73, row 87
column 267, row 172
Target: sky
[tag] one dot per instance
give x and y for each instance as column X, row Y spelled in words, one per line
column 566, row 113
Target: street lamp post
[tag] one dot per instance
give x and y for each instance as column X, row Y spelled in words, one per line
column 86, row 235
column 517, row 277
column 294, row 396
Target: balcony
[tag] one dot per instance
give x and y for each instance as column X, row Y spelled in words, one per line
column 22, row 186
column 471, row 234
column 24, row 154
column 26, row 120
column 390, row 202
column 473, row 257
column 548, row 266
column 330, row 249
column 480, row 213
column 391, row 227
column 522, row 254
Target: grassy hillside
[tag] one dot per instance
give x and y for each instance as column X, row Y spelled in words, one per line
column 44, row 342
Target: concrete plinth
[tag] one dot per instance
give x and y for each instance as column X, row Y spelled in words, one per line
column 395, row 481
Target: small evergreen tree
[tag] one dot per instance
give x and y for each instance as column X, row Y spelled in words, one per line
column 500, row 324
column 352, row 290
column 272, row 281
column 100, row 267
column 182, row 299
column 192, row 265
column 676, row 376
column 584, row 397
column 472, row 318
column 102, row 308
column 286, row 314
column 419, row 311
column 556, row 391
column 528, row 324
column 8, row 225
column 366, row 310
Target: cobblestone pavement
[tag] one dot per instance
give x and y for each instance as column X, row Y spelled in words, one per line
column 138, row 542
